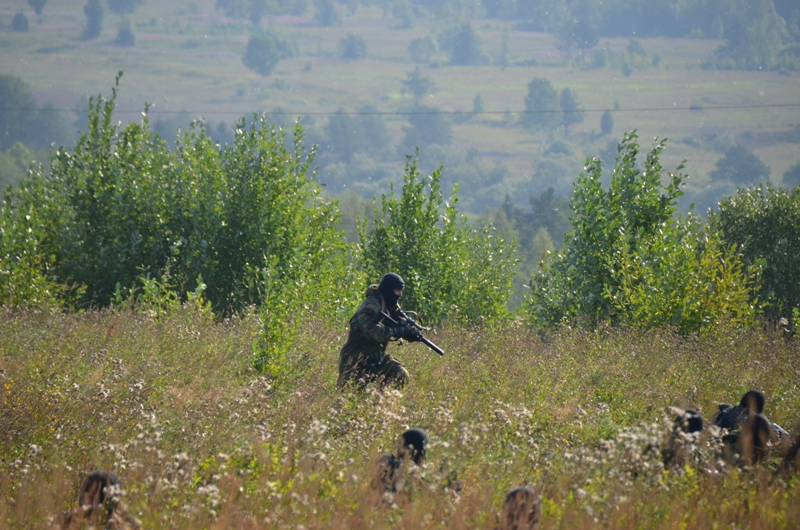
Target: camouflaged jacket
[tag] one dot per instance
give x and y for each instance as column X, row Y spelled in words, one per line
column 368, row 337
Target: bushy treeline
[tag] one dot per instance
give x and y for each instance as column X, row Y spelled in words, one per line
column 629, row 258
column 122, row 216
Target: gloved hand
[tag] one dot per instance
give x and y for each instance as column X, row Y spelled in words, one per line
column 398, row 331
column 411, row 335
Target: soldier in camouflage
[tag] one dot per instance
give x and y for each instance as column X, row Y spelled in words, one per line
column 363, row 358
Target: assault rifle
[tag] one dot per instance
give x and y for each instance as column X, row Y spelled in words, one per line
column 410, row 324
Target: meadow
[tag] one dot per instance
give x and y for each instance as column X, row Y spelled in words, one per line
column 171, row 403
column 187, row 61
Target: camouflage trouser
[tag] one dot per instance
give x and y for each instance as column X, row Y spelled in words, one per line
column 365, row 371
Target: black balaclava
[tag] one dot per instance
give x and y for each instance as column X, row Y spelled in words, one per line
column 754, row 400
column 389, row 283
column 414, row 442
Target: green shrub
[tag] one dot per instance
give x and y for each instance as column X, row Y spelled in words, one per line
column 122, row 213
column 449, row 268
column 765, row 222
column 628, row 260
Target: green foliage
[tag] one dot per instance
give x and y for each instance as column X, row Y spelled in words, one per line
column 14, row 164
column 791, row 178
column 38, row 6
column 123, row 7
column 418, row 85
column 94, row 12
column 22, row 120
column 606, row 122
column 428, row 127
column 572, row 114
column 121, row 209
column 466, row 48
column 477, row 103
column 628, row 260
column 325, row 13
column 541, row 105
column 765, row 223
column 125, row 35
column 423, row 48
column 261, row 54
column 740, row 166
column 353, row 46
column 20, row 22
column 449, row 268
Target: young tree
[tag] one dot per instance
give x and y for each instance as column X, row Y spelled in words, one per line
column 38, row 6
column 606, row 122
column 256, row 11
column 124, row 7
column 542, row 111
column 765, row 223
column 125, row 35
column 477, row 104
column 261, row 54
column 423, row 48
column 467, row 47
column 20, row 107
column 418, row 85
column 428, row 126
column 571, row 110
column 449, row 268
column 94, row 12
column 325, row 13
column 740, row 166
column 20, row 22
column 353, row 46
column 629, row 260
column 791, row 178
column 344, row 135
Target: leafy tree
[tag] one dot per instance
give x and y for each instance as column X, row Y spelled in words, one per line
column 628, row 260
column 423, row 48
column 124, row 7
column 740, row 166
column 428, row 127
column 375, row 137
column 14, row 164
column 765, row 223
column 261, row 54
column 449, row 268
column 571, row 110
column 791, row 178
column 542, row 111
column 125, row 35
column 577, row 34
column 606, row 122
column 38, row 6
column 20, row 23
column 20, row 105
column 466, row 48
column 325, row 13
column 232, row 8
column 418, row 85
column 24, row 121
column 256, row 10
column 344, row 135
column 353, row 46
column 477, row 104
column 94, row 12
column 121, row 213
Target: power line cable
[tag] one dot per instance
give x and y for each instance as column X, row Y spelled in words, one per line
column 154, row 111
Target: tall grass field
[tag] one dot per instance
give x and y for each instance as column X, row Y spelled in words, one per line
column 172, row 405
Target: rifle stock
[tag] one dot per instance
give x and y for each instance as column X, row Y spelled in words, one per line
column 411, row 324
